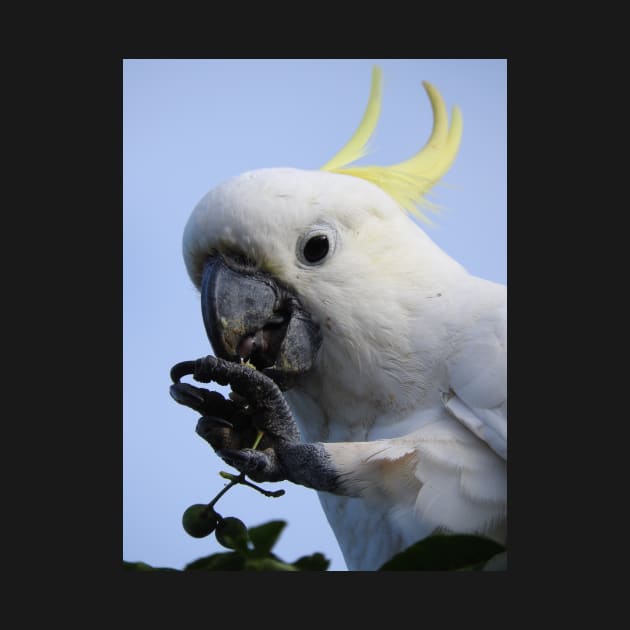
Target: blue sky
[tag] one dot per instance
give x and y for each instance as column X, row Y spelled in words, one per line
column 187, row 126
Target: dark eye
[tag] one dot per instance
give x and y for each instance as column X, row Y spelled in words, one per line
column 317, row 244
column 316, row 248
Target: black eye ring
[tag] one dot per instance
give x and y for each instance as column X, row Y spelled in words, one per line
column 316, row 248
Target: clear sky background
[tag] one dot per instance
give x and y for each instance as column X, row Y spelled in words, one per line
column 190, row 124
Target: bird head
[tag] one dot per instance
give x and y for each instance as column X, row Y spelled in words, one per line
column 306, row 270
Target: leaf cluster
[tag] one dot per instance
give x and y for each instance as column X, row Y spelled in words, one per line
column 252, row 553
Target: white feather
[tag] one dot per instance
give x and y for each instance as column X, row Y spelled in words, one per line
column 477, row 372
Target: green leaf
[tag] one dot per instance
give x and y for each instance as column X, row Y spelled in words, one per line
column 228, row 561
column 143, row 566
column 264, row 536
column 314, row 562
column 268, row 564
column 444, row 553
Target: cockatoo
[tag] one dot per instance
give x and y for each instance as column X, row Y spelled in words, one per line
column 380, row 377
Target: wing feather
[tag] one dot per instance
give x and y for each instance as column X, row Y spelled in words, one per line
column 477, row 373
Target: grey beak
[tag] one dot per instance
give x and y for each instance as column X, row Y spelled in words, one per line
column 249, row 315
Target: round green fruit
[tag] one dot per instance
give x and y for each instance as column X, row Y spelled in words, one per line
column 198, row 521
column 232, row 533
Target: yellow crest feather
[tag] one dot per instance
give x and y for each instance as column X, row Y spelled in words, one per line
column 356, row 147
column 406, row 181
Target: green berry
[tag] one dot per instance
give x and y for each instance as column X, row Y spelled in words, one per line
column 198, row 521
column 232, row 533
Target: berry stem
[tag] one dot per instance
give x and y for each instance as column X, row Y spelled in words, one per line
column 234, row 481
column 267, row 493
column 259, row 436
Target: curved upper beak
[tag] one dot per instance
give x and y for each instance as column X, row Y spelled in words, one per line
column 249, row 315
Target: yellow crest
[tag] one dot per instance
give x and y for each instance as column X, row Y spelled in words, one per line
column 406, row 181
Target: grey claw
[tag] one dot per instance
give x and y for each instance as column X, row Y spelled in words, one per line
column 182, row 369
column 207, row 429
column 236, row 459
column 255, row 464
column 186, row 394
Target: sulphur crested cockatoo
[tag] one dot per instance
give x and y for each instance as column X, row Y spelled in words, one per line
column 380, row 361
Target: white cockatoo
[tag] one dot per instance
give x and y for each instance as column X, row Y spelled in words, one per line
column 380, row 361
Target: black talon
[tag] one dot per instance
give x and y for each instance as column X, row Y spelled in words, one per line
column 207, row 427
column 186, row 394
column 182, row 369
